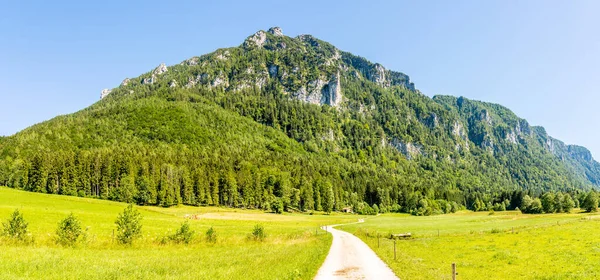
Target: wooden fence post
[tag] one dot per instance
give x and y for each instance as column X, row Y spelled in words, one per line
column 454, row 271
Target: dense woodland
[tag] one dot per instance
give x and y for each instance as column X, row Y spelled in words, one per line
column 259, row 147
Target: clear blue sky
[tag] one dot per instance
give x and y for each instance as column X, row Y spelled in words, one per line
column 539, row 58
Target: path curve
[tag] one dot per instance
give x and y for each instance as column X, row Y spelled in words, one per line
column 350, row 258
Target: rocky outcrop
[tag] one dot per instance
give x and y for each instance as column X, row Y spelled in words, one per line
column 459, row 131
column 409, row 150
column 321, row 91
column 257, row 40
column 191, row 62
column 161, row 69
column 332, row 92
column 223, row 56
column 150, row 80
column 432, row 121
column 275, row 31
column 105, row 92
column 125, row 82
column 173, row 84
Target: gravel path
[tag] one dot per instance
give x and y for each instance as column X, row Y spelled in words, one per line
column 350, row 258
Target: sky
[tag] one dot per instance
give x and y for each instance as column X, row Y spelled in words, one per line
column 540, row 58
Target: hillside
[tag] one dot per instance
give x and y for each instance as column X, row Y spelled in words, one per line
column 292, row 122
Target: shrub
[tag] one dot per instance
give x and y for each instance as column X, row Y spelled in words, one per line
column 184, row 234
column 16, row 226
column 258, row 233
column 68, row 231
column 129, row 225
column 211, row 235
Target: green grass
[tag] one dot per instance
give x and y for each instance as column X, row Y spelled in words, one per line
column 506, row 245
column 292, row 250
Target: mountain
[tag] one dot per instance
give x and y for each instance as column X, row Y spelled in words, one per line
column 295, row 123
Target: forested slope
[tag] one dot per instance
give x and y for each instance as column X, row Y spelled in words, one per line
column 292, row 122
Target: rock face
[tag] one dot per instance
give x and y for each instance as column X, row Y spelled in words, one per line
column 149, row 81
column 104, row 93
column 161, row 69
column 332, row 92
column 321, row 91
column 125, row 82
column 409, row 150
column 275, row 31
column 258, row 39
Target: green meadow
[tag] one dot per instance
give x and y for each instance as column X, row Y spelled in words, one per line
column 505, row 245
column 293, row 248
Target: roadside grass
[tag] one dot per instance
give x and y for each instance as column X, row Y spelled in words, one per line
column 507, row 245
column 293, row 248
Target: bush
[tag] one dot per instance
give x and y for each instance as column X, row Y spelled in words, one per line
column 258, row 233
column 129, row 226
column 184, row 234
column 211, row 235
column 16, row 226
column 68, row 231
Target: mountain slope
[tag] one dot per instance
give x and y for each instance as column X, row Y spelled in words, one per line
column 292, row 122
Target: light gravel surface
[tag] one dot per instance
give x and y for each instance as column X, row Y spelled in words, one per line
column 350, row 258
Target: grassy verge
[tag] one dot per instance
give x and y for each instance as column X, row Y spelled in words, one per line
column 507, row 245
column 292, row 249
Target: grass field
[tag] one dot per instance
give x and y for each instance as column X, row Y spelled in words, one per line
column 292, row 250
column 506, row 245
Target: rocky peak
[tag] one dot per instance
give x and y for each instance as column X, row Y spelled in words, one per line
column 105, row 92
column 275, row 31
column 379, row 75
column 258, row 39
column 125, row 82
column 161, row 69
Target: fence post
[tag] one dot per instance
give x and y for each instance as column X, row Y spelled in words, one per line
column 454, row 271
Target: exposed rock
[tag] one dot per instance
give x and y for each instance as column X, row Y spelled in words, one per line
column 458, row 130
column 275, row 31
column 488, row 144
column 192, row 61
column 161, row 69
column 485, row 116
column 511, row 137
column 191, row 83
column 220, row 80
column 149, row 81
column 105, row 92
column 223, row 56
column 332, row 92
column 432, row 121
column 281, row 45
column 258, row 39
column 379, row 76
column 125, row 82
column 409, row 150
column 311, row 93
column 172, row 84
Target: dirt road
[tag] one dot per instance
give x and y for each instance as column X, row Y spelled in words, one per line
column 350, row 258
